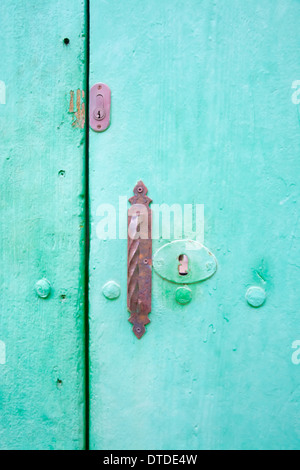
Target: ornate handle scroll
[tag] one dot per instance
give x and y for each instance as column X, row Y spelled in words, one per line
column 139, row 278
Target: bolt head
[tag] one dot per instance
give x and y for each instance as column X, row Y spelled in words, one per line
column 43, row 288
column 183, row 295
column 256, row 296
column 111, row 290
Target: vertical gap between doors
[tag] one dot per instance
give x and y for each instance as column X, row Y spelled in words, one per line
column 87, row 235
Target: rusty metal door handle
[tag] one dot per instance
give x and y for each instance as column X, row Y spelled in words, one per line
column 139, row 265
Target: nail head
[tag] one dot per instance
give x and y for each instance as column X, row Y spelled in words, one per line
column 43, row 288
column 256, row 296
column 111, row 290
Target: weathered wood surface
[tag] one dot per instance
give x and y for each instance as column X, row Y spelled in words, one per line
column 202, row 112
column 42, row 224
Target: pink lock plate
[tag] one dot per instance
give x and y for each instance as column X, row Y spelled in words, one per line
column 100, row 99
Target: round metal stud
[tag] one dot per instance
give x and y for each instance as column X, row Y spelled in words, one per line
column 256, row 296
column 43, row 288
column 183, row 295
column 111, row 290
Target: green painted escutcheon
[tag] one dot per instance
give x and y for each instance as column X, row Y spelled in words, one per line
column 199, row 262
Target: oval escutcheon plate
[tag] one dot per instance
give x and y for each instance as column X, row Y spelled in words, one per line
column 200, row 263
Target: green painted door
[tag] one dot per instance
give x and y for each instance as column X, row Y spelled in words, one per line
column 42, row 242
column 205, row 111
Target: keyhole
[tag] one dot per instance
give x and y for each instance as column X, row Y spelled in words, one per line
column 183, row 267
column 99, row 112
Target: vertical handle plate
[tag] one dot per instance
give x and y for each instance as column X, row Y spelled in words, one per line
column 139, row 278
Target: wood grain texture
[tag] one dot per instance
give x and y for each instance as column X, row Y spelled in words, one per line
column 42, row 225
column 202, row 112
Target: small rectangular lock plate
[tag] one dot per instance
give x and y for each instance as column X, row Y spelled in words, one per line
column 100, row 100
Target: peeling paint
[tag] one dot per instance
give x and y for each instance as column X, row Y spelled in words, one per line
column 71, row 107
column 79, row 114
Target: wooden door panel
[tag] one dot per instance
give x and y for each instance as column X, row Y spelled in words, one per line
column 42, row 152
column 202, row 113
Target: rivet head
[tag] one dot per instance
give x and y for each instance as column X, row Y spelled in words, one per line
column 111, row 290
column 43, row 288
column 256, row 296
column 183, row 295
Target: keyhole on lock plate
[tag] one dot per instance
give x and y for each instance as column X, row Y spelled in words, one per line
column 183, row 267
column 99, row 112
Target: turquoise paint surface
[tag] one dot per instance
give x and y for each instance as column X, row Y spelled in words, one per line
column 202, row 112
column 42, row 226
